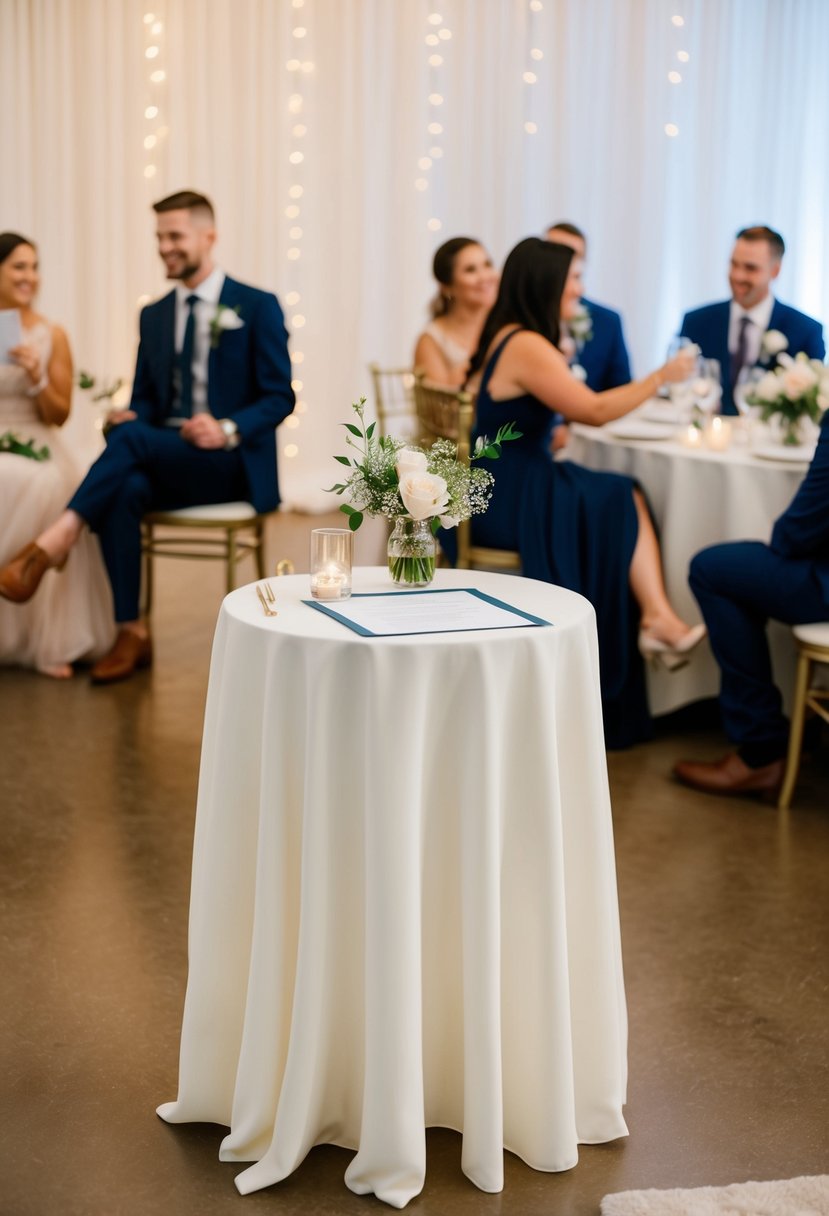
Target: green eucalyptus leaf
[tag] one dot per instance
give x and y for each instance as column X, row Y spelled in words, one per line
column 355, row 430
column 343, row 460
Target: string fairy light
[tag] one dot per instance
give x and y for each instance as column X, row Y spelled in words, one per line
column 534, row 57
column 298, row 69
column 155, row 130
column 674, row 75
column 437, row 36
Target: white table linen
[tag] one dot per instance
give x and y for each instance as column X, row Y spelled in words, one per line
column 403, row 909
column 699, row 497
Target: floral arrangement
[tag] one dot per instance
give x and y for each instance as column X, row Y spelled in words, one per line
column 580, row 324
column 12, row 443
column 798, row 388
column 391, row 478
column 772, row 344
column 106, row 391
column 223, row 318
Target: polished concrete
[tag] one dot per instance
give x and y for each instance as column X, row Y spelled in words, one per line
column 725, row 925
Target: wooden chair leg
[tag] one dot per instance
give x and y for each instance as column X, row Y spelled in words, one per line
column 148, row 570
column 801, row 686
column 260, row 549
column 231, row 559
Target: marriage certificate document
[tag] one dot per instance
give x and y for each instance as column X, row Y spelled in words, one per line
column 406, row 612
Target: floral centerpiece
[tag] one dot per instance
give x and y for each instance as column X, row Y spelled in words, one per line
column 419, row 491
column 797, row 389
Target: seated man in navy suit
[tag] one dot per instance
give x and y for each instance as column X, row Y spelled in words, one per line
column 212, row 383
column 733, row 331
column 601, row 351
column 740, row 586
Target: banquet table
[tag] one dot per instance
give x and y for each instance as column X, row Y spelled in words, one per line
column 403, row 908
column 698, row 497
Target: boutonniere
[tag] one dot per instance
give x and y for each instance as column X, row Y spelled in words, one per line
column 580, row 325
column 772, row 343
column 223, row 318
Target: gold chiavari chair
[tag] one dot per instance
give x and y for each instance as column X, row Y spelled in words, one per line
column 394, row 400
column 812, row 643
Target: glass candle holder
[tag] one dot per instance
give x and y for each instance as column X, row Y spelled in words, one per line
column 331, row 556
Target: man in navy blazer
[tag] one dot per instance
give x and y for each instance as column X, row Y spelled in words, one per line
column 733, row 332
column 602, row 353
column 739, row 587
column 212, row 383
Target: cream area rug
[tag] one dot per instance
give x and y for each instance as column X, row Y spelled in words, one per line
column 792, row 1197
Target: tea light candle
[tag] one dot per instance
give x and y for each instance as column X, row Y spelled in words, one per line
column 691, row 437
column 329, row 584
column 718, row 434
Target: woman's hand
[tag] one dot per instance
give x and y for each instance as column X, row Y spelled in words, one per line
column 680, row 367
column 29, row 360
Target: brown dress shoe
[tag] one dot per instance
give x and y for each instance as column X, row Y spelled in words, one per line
column 128, row 654
column 20, row 578
column 732, row 775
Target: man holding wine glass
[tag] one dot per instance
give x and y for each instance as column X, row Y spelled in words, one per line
column 752, row 327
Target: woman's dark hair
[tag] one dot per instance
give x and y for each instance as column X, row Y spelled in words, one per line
column 443, row 268
column 9, row 242
column 529, row 294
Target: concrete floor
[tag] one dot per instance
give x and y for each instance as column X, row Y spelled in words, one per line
column 725, row 923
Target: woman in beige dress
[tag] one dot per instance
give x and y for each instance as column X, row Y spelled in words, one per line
column 72, row 618
column 467, row 287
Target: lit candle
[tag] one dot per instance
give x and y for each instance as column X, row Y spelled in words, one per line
column 691, row 437
column 329, row 584
column 718, row 434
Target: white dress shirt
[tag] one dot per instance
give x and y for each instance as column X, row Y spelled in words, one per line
column 759, row 316
column 208, row 293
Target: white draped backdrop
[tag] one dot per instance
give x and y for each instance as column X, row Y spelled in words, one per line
column 250, row 86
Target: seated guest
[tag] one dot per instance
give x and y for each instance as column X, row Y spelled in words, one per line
column 467, row 283
column 733, row 332
column 212, row 383
column 588, row 531
column 740, row 587
column 72, row 618
column 599, row 341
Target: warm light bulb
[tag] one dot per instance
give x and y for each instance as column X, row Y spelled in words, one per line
column 293, row 65
column 158, row 26
column 290, row 450
column 300, row 31
column 292, row 422
column 151, row 52
column 296, row 385
column 535, row 53
column 435, row 128
column 529, row 78
column 435, row 61
column 297, row 357
column 299, row 130
column 424, row 163
column 671, row 129
column 293, row 254
column 296, row 158
column 434, row 225
column 683, row 56
column 435, row 99
column 677, row 20
column 151, row 112
column 435, row 19
column 295, row 192
column 421, row 184
column 149, row 171
column 157, row 76
column 301, row 407
column 530, row 128
column 149, row 18
column 432, row 40
column 292, row 298
column 436, row 152
column 295, row 103
column 292, row 212
column 675, row 77
column 150, row 141
column 298, row 321
column 445, row 34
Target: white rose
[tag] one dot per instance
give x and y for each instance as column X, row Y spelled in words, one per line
column 228, row 318
column 423, row 494
column 450, row 521
column 579, row 372
column 797, row 380
column 410, row 461
column 773, row 342
column 768, row 387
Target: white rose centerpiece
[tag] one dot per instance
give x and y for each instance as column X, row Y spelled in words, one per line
column 796, row 390
column 773, row 343
column 418, row 491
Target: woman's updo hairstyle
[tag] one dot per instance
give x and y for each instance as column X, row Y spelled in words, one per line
column 9, row 241
column 443, row 268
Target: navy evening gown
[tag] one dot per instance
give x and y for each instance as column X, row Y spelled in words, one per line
column 573, row 527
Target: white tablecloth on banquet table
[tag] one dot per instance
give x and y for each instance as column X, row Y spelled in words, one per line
column 403, row 909
column 699, row 498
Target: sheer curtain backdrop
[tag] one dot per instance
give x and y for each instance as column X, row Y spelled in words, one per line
column 263, row 98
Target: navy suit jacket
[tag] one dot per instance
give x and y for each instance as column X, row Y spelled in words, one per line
column 803, row 528
column 604, row 357
column 248, row 378
column 708, row 327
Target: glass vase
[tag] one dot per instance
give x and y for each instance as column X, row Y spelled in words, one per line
column 412, row 549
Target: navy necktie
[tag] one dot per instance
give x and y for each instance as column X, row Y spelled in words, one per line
column 739, row 357
column 186, row 360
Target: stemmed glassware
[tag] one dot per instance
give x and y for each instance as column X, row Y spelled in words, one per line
column 706, row 385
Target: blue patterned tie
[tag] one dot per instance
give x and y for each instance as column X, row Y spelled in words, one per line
column 186, row 360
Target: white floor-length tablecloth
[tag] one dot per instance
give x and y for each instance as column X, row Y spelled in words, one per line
column 404, row 908
column 698, row 497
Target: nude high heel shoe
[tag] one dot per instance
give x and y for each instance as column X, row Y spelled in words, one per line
column 670, row 657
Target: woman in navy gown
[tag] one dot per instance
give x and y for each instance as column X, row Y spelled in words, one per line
column 587, row 531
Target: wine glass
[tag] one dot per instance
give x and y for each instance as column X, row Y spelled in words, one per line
column 747, row 381
column 707, row 385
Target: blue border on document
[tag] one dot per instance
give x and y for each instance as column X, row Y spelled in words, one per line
column 528, row 618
